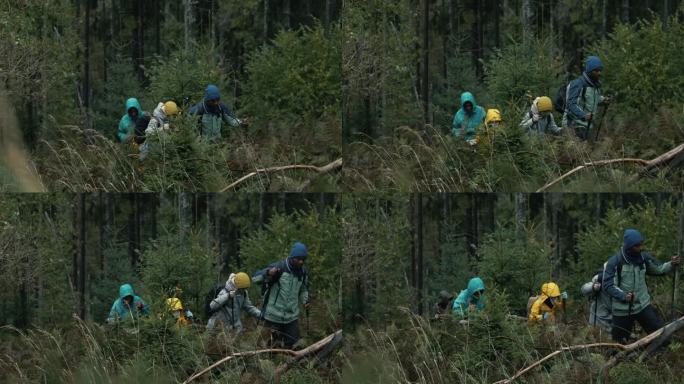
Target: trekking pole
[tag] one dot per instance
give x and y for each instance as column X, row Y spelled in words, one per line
column 595, row 305
column 675, row 276
column 598, row 127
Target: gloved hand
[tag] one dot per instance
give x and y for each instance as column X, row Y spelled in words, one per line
column 139, row 305
column 597, row 287
column 536, row 117
column 188, row 314
column 472, row 142
column 564, row 295
column 546, row 315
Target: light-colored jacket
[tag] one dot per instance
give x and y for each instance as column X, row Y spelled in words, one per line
column 228, row 305
column 537, row 122
column 600, row 314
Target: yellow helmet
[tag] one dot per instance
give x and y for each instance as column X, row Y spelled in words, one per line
column 170, row 108
column 551, row 289
column 544, row 104
column 242, row 280
column 493, row 115
column 174, row 304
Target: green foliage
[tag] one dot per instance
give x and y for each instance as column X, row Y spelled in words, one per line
column 185, row 75
column 298, row 76
column 516, row 262
column 524, row 70
column 323, row 240
column 643, row 64
column 178, row 262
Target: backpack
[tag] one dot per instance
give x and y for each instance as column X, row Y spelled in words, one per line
column 211, row 295
column 560, row 102
column 530, row 303
column 140, row 126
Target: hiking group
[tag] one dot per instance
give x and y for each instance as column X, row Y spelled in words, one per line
column 577, row 102
column 137, row 126
column 284, row 290
column 617, row 292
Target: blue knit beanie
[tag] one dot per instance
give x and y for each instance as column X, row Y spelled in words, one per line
column 593, row 63
column 299, row 250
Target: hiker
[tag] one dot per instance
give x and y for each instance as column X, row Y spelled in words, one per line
column 159, row 122
column 183, row 316
column 230, row 302
column 470, row 299
column 212, row 114
column 467, row 119
column 127, row 123
column 539, row 118
column 582, row 97
column 286, row 288
column 624, row 280
column 493, row 118
column 128, row 305
column 545, row 306
column 600, row 313
column 444, row 304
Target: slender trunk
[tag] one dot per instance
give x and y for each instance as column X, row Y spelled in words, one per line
column 287, row 14
column 188, row 23
column 419, row 253
column 624, row 11
column 157, row 27
column 265, row 21
column 528, row 19
column 520, row 210
column 86, row 65
column 426, row 62
column 497, row 23
column 141, row 42
column 82, row 256
column 604, row 18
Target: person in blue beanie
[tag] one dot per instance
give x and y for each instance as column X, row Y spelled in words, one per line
column 286, row 288
column 213, row 113
column 624, row 280
column 583, row 97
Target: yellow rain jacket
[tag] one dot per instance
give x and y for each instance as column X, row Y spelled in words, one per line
column 175, row 307
column 543, row 304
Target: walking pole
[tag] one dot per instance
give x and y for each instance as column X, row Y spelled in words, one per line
column 595, row 305
column 675, row 276
column 598, row 127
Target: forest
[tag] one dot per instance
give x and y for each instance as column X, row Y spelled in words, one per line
column 377, row 265
column 406, row 64
column 68, row 68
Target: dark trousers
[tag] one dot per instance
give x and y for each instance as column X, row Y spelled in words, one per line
column 647, row 318
column 582, row 132
column 285, row 334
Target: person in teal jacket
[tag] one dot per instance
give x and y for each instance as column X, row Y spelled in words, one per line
column 213, row 113
column 468, row 118
column 128, row 305
column 128, row 120
column 624, row 279
column 287, row 289
column 470, row 299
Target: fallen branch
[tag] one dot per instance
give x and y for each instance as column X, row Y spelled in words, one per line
column 648, row 164
column 297, row 355
column 329, row 341
column 337, row 164
column 653, row 340
column 555, row 353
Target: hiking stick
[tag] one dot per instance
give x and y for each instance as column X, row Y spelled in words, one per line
column 596, row 296
column 676, row 271
column 598, row 127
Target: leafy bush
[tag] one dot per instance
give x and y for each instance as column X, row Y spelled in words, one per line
column 524, row 70
column 298, row 76
column 643, row 64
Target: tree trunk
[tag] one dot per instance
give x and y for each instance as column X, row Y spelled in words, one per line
column 82, row 257
column 86, row 65
column 287, row 19
column 419, row 253
column 520, row 210
column 132, row 251
column 157, row 27
column 140, row 62
column 497, row 23
column 426, row 62
column 528, row 19
column 624, row 14
column 265, row 21
column 188, row 22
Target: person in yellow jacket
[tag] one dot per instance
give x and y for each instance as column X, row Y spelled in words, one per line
column 548, row 304
column 183, row 316
column 493, row 118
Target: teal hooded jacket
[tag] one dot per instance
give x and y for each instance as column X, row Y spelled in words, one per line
column 127, row 124
column 467, row 297
column 121, row 311
column 465, row 123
